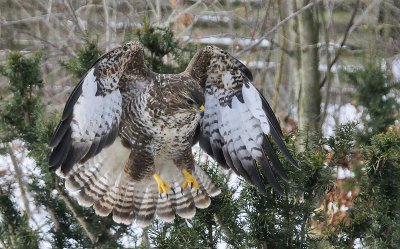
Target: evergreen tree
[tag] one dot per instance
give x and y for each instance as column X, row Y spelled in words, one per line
column 371, row 152
column 377, row 96
column 15, row 231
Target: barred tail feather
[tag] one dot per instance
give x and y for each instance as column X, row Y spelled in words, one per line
column 206, row 182
column 165, row 209
column 146, row 206
column 184, row 202
column 101, row 182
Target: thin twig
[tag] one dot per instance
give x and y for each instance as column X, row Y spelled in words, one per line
column 225, row 229
column 75, row 18
column 107, row 24
column 364, row 14
column 18, row 176
column 328, row 75
column 301, row 10
column 29, row 19
column 3, row 244
column 339, row 51
column 69, row 203
column 278, row 76
column 53, row 216
column 44, row 41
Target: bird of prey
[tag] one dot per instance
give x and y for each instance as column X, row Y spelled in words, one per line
column 124, row 142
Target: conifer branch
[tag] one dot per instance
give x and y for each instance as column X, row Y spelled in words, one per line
column 18, row 177
column 53, row 216
column 3, row 244
column 349, row 29
column 225, row 229
column 69, row 204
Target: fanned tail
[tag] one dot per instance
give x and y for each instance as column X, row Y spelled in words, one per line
column 101, row 182
column 184, row 202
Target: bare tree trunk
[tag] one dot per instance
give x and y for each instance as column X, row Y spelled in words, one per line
column 308, row 91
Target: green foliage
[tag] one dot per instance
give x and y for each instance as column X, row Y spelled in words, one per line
column 243, row 218
column 14, row 228
column 86, row 56
column 165, row 54
column 343, row 148
column 283, row 221
column 373, row 152
column 22, row 106
column 203, row 231
column 377, row 213
column 23, row 119
column 376, row 94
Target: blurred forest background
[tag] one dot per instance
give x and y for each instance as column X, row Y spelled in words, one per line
column 330, row 69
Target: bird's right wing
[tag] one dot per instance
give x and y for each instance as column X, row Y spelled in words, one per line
column 238, row 122
column 91, row 117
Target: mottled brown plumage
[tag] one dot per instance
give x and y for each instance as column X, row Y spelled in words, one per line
column 125, row 138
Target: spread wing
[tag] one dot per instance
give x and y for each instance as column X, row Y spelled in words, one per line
column 91, row 117
column 237, row 120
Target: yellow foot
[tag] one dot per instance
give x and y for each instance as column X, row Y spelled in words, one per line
column 189, row 180
column 163, row 187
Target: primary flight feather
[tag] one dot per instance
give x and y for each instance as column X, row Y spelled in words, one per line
column 125, row 137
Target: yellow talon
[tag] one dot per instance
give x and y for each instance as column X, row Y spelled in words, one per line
column 163, row 187
column 189, row 179
column 201, row 108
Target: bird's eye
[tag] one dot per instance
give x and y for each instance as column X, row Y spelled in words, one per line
column 190, row 101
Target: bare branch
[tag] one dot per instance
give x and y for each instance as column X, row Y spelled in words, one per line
column 69, row 203
column 21, row 184
column 29, row 19
column 73, row 14
column 3, row 244
column 364, row 14
column 107, row 24
column 339, row 51
column 278, row 76
column 44, row 41
column 53, row 216
column 284, row 21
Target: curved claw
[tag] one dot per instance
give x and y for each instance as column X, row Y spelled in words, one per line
column 163, row 187
column 189, row 179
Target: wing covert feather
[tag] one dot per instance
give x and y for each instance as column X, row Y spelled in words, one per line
column 237, row 120
column 91, row 117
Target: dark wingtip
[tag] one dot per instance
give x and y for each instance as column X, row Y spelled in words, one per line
column 60, row 131
column 268, row 173
column 281, row 145
column 269, row 152
column 70, row 160
column 59, row 153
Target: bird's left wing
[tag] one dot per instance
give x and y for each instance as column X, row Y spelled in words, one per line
column 91, row 117
column 237, row 119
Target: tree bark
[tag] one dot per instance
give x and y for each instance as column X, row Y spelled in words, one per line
column 307, row 90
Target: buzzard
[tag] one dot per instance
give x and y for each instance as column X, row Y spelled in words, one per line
column 124, row 142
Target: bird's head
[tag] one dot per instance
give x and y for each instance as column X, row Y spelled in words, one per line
column 188, row 98
column 193, row 98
